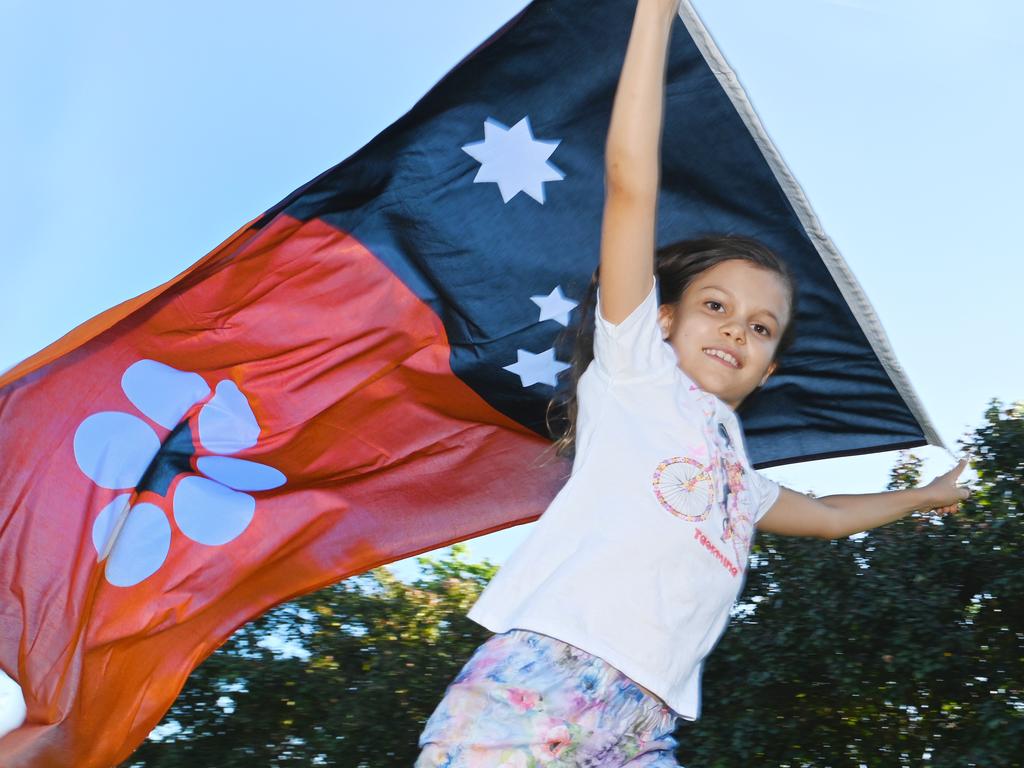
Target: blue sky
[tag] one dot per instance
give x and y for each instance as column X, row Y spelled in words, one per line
column 138, row 136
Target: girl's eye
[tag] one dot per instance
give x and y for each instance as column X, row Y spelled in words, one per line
column 759, row 329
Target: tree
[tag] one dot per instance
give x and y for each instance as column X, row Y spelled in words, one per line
column 349, row 678
column 883, row 648
column 874, row 650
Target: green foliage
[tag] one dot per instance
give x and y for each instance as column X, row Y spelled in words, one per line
column 874, row 650
column 879, row 649
column 380, row 654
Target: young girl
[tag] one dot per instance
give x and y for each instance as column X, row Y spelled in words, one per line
column 605, row 613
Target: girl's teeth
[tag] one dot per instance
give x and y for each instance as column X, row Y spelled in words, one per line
column 728, row 358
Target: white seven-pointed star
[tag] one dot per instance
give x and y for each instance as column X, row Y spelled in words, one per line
column 513, row 159
column 533, row 369
column 554, row 306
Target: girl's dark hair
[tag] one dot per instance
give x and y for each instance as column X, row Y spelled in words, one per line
column 676, row 266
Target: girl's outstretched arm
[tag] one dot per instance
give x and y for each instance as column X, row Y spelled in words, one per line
column 833, row 517
column 632, row 159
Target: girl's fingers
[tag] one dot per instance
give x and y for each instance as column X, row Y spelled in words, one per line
column 946, row 510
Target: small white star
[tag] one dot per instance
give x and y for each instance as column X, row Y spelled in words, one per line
column 554, row 306
column 513, row 159
column 540, row 368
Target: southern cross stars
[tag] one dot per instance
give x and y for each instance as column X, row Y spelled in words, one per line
column 514, row 160
column 517, row 162
column 543, row 368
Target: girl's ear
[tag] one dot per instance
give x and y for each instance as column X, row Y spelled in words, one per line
column 769, row 372
column 665, row 315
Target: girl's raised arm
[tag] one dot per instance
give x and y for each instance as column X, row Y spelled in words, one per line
column 632, row 160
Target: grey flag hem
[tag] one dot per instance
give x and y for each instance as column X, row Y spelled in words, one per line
column 833, row 260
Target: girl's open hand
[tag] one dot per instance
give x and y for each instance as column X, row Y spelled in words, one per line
column 944, row 494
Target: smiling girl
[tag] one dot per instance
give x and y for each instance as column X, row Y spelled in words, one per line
column 604, row 615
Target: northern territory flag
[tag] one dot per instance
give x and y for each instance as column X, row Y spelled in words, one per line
column 361, row 373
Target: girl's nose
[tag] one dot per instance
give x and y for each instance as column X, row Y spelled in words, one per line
column 734, row 331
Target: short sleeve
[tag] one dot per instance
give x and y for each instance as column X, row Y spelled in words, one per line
column 764, row 493
column 633, row 347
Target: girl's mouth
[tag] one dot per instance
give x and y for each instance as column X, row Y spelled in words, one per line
column 725, row 358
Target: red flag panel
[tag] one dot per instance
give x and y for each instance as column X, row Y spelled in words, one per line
column 280, row 416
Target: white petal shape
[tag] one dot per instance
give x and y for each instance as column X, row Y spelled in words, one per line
column 163, row 393
column 210, row 513
column 240, row 474
column 104, row 524
column 141, row 546
column 12, row 705
column 113, row 448
column 227, row 423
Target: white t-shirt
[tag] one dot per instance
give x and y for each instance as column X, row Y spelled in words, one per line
column 640, row 556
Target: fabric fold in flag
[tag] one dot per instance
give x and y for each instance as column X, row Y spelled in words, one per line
column 361, row 374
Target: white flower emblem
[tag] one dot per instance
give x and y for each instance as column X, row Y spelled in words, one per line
column 120, row 451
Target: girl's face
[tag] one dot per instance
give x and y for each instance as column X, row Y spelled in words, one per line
column 726, row 326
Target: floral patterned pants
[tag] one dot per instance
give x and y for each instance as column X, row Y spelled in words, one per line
column 525, row 700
